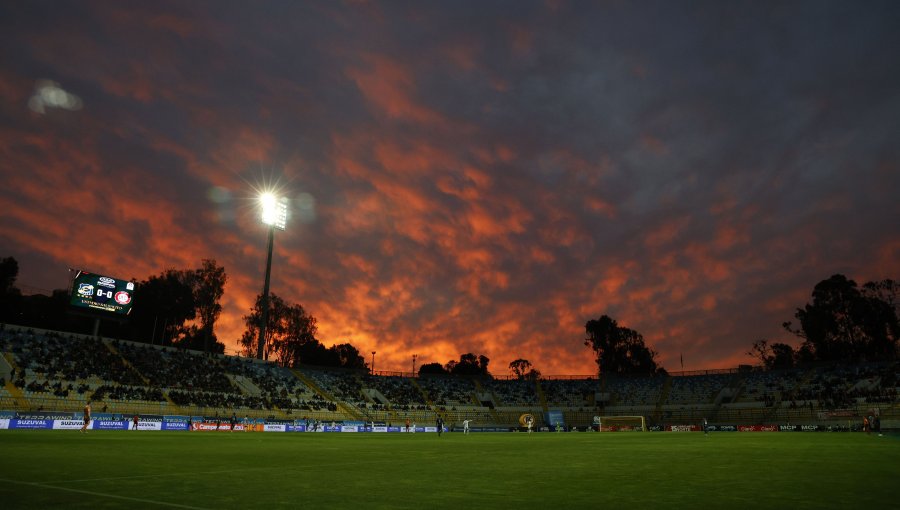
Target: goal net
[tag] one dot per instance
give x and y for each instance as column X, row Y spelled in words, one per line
column 620, row 423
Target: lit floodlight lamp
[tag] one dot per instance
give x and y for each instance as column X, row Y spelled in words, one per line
column 274, row 211
column 274, row 214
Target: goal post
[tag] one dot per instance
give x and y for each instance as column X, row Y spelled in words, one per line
column 620, row 423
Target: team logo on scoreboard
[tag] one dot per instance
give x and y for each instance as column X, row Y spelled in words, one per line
column 123, row 298
column 129, row 286
column 106, row 282
column 85, row 289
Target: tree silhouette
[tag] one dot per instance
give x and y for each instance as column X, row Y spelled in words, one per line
column 432, row 368
column 288, row 332
column 619, row 350
column 163, row 304
column 844, row 322
column 10, row 296
column 523, row 369
column 208, row 283
column 469, row 364
column 775, row 355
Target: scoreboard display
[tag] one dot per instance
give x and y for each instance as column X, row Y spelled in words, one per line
column 98, row 293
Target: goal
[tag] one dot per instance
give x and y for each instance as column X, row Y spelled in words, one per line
column 620, row 423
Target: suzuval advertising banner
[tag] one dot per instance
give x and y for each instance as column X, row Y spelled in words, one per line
column 109, row 424
column 31, row 424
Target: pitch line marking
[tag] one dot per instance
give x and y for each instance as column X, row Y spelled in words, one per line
column 155, row 475
column 242, row 470
column 102, row 494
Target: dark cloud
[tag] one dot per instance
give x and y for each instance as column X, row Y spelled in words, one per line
column 467, row 176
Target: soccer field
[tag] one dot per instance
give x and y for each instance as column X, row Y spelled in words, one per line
column 118, row 469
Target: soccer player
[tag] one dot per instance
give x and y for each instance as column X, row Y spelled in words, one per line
column 246, row 423
column 466, row 426
column 135, row 420
column 87, row 417
column 529, row 422
column 407, row 425
column 232, row 421
column 440, row 425
column 705, row 427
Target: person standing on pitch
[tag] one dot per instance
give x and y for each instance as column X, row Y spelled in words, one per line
column 87, row 417
column 705, row 427
column 135, row 425
column 440, row 425
column 466, row 426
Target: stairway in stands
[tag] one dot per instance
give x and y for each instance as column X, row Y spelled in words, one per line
column 349, row 411
column 18, row 398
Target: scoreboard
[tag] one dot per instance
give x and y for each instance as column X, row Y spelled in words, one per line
column 98, row 293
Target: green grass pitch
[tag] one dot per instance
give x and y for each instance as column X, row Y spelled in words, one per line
column 125, row 469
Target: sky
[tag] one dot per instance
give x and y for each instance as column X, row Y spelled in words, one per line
column 466, row 176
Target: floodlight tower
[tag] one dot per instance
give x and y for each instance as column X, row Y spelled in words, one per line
column 274, row 214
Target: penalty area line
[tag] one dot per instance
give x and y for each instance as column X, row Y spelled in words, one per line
column 102, row 494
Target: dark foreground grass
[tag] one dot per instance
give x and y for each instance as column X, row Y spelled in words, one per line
column 118, row 469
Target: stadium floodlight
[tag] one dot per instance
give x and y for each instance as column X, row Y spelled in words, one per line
column 274, row 211
column 274, row 214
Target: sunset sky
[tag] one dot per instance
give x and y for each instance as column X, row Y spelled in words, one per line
column 463, row 176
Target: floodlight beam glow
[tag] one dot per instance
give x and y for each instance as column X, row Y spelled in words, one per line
column 274, row 211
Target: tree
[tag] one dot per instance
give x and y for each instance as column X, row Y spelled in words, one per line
column 196, row 338
column 469, row 364
column 845, row 323
column 533, row 374
column 618, row 349
column 290, row 333
column 9, row 271
column 291, row 338
column 275, row 328
column 519, row 367
column 432, row 368
column 10, row 296
column 882, row 321
column 163, row 304
column 299, row 330
column 347, row 356
column 208, row 284
column 776, row 355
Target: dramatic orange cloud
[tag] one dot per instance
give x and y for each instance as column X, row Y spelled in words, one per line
column 461, row 177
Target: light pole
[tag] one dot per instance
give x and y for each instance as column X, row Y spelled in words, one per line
column 373, row 362
column 274, row 214
column 414, row 364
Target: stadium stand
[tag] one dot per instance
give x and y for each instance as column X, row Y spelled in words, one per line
column 51, row 371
